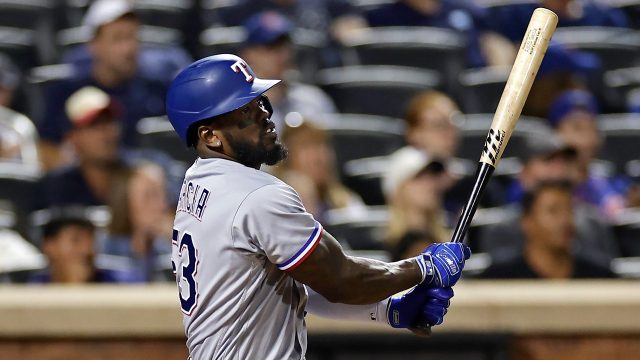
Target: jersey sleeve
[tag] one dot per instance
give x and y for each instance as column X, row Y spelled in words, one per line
column 274, row 220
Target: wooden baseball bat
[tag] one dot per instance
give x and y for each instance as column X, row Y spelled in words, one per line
column 534, row 45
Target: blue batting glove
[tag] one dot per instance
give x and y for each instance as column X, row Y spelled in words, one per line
column 403, row 310
column 436, row 305
column 442, row 264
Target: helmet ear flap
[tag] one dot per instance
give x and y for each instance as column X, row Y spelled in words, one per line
column 267, row 104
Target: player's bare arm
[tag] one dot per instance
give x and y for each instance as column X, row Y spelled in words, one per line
column 353, row 280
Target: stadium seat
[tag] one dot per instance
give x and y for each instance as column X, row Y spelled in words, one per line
column 616, row 47
column 365, row 177
column 437, row 49
column 482, row 88
column 20, row 46
column 17, row 188
column 619, row 86
column 376, row 90
column 221, row 40
column 38, row 79
column 157, row 133
column 621, row 138
column 361, row 143
column 627, row 232
column 364, row 5
column 307, row 46
column 498, row 3
column 631, row 9
column 164, row 13
column 34, row 17
column 149, row 35
column 361, row 229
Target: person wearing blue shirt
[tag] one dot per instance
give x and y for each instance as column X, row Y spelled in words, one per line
column 114, row 49
column 573, row 115
column 512, row 20
column 94, row 135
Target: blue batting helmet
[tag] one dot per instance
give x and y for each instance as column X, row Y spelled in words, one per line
column 210, row 87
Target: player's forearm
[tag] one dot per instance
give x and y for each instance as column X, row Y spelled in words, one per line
column 318, row 305
column 366, row 281
column 352, row 280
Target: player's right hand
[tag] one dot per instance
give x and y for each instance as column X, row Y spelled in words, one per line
column 442, row 264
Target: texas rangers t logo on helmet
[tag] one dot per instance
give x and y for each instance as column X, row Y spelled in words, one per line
column 241, row 66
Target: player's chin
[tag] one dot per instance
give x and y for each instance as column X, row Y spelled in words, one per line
column 275, row 153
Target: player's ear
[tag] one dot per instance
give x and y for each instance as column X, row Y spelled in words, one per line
column 209, row 136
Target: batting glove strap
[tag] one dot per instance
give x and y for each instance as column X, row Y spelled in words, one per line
column 425, row 262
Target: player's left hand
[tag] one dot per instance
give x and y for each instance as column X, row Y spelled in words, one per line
column 433, row 311
column 420, row 306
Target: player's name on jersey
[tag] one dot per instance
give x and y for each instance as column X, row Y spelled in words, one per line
column 193, row 199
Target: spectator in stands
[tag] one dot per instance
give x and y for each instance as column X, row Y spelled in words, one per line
column 484, row 46
column 18, row 135
column 310, row 169
column 94, row 135
column 512, row 20
column 114, row 48
column 573, row 115
column 336, row 18
column 431, row 127
column 69, row 246
column 411, row 243
column 141, row 224
column 545, row 157
column 268, row 51
column 415, row 185
column 430, row 123
column 549, row 230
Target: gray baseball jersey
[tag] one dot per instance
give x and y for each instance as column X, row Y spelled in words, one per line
column 237, row 231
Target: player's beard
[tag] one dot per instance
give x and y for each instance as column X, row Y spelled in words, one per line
column 254, row 155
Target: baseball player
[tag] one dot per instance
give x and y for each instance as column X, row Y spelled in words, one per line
column 249, row 260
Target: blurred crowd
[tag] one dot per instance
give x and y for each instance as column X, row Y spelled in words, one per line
column 384, row 106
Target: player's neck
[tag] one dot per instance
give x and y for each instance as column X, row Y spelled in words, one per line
column 207, row 153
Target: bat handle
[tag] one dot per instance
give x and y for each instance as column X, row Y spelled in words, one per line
column 483, row 174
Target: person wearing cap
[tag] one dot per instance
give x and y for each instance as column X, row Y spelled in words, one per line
column 268, row 50
column 95, row 141
column 94, row 136
column 548, row 229
column 545, row 157
column 114, row 48
column 573, row 116
column 414, row 185
column 249, row 259
column 68, row 243
column 332, row 20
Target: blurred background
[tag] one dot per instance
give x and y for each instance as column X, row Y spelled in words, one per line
column 384, row 106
